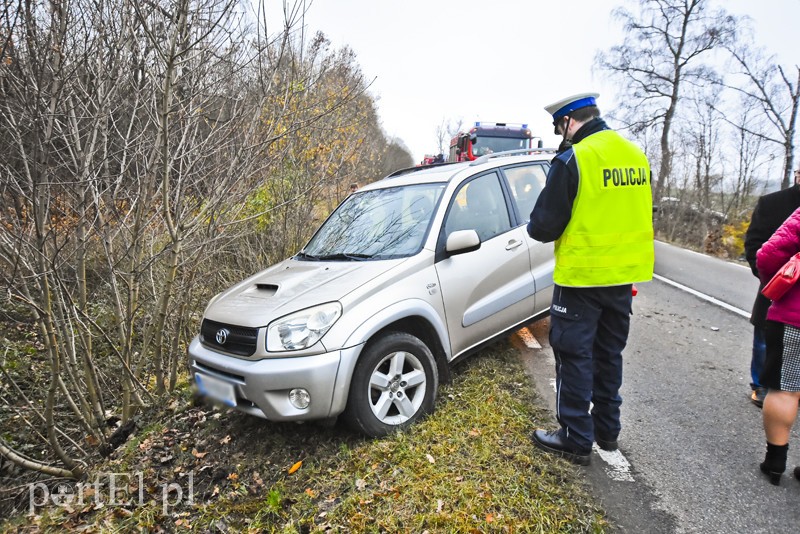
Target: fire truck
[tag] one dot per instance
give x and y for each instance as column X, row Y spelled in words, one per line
column 487, row 137
column 430, row 159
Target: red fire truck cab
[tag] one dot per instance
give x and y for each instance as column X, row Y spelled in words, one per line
column 488, row 137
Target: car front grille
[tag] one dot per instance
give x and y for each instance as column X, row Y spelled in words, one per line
column 237, row 340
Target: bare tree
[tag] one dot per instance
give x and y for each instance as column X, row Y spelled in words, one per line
column 776, row 90
column 445, row 131
column 396, row 157
column 662, row 51
column 145, row 146
column 749, row 152
column 704, row 140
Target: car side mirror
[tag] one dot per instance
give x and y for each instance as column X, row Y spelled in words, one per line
column 462, row 241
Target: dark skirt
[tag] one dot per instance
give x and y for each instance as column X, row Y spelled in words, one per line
column 782, row 365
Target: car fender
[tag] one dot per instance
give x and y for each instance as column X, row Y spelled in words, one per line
column 366, row 330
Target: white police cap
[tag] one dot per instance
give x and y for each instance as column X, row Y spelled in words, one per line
column 565, row 106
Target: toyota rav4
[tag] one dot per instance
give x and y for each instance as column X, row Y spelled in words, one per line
column 407, row 275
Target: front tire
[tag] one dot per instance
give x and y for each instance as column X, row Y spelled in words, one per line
column 394, row 384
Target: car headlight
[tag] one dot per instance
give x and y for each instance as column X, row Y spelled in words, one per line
column 302, row 329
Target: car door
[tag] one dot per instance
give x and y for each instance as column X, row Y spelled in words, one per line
column 525, row 182
column 488, row 290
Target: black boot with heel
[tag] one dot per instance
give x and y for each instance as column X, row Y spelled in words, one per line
column 774, row 463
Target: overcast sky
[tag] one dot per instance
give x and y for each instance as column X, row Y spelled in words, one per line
column 503, row 61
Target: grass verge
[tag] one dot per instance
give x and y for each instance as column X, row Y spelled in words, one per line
column 470, row 467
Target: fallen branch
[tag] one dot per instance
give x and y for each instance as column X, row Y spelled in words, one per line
column 34, row 465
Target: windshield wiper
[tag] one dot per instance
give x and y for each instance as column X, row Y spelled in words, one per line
column 344, row 256
column 303, row 256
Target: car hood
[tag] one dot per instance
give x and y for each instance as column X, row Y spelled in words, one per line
column 289, row 286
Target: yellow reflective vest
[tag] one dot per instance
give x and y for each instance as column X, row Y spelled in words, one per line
column 609, row 238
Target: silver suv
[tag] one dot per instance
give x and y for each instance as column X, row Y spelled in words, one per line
column 407, row 275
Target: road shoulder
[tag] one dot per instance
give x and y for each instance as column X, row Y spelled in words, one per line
column 631, row 505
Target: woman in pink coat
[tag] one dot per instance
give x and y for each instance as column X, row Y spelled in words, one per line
column 782, row 333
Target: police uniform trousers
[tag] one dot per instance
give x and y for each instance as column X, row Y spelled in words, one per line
column 588, row 331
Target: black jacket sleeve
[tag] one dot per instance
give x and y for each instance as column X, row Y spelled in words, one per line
column 770, row 212
column 553, row 208
column 757, row 234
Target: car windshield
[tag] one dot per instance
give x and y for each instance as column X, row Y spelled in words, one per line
column 487, row 145
column 377, row 224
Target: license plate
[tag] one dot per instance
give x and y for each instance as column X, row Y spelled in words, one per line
column 215, row 388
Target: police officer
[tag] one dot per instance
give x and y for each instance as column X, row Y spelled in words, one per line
column 597, row 207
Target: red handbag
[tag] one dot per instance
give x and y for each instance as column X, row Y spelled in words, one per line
column 784, row 279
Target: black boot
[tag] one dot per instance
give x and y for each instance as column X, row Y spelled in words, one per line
column 774, row 463
column 555, row 442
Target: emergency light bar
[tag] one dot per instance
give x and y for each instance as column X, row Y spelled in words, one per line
column 506, row 124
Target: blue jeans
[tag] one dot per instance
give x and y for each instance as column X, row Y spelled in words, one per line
column 759, row 355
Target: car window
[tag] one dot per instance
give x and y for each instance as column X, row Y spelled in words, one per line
column 526, row 182
column 376, row 224
column 479, row 205
column 486, row 144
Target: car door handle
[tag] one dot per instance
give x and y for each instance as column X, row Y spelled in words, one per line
column 513, row 244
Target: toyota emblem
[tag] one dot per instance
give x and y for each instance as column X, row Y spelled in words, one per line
column 222, row 335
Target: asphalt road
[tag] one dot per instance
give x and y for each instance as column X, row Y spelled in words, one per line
column 691, row 439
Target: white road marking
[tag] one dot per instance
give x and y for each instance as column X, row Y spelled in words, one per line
column 709, row 298
column 618, row 467
column 529, row 339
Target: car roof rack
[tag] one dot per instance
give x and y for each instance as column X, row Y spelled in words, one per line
column 407, row 170
column 487, row 157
